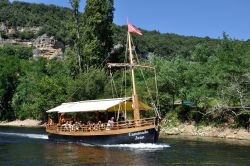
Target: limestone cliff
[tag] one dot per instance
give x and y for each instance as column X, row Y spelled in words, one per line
column 48, row 47
column 44, row 46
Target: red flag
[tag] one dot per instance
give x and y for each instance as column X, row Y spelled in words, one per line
column 133, row 29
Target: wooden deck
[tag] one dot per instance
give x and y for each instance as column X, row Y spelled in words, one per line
column 103, row 129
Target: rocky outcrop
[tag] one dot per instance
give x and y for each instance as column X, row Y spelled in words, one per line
column 10, row 30
column 3, row 28
column 48, row 47
column 34, row 30
column 1, row 40
column 8, row 42
column 44, row 46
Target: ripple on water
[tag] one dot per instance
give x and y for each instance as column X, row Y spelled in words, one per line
column 35, row 136
column 139, row 146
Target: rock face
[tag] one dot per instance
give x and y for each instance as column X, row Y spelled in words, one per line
column 3, row 27
column 208, row 131
column 10, row 30
column 34, row 30
column 48, row 47
column 44, row 46
column 1, row 40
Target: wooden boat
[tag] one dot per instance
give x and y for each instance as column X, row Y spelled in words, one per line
column 137, row 130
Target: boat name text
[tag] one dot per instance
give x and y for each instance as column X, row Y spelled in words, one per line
column 138, row 133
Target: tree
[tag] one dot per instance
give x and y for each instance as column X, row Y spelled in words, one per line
column 97, row 36
column 43, row 85
column 9, row 73
column 77, row 27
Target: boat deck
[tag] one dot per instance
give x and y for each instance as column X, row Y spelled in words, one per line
column 103, row 128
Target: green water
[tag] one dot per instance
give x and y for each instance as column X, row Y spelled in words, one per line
column 30, row 146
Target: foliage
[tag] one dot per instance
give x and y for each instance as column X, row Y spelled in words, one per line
column 97, row 35
column 42, row 86
column 17, row 51
column 76, row 29
column 212, row 73
column 10, row 72
column 49, row 18
column 215, row 78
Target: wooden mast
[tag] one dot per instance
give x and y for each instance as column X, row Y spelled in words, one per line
column 134, row 95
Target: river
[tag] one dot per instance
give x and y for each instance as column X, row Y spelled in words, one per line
column 30, row 146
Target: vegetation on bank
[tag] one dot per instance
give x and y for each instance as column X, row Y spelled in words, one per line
column 213, row 75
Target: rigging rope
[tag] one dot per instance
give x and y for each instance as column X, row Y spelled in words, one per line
column 157, row 94
column 156, row 106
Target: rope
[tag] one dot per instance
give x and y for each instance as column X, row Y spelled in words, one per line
column 157, row 95
column 112, row 90
column 73, row 93
column 156, row 106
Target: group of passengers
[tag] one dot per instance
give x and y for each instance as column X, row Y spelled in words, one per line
column 88, row 126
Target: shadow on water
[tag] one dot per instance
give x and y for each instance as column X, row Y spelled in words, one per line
column 31, row 147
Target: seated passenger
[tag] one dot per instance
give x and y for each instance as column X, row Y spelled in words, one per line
column 95, row 126
column 66, row 126
column 100, row 125
column 89, row 126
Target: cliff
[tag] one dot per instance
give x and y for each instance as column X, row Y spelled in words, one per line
column 44, row 46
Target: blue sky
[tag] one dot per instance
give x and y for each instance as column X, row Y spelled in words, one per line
column 184, row 17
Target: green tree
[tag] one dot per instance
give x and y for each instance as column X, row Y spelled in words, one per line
column 43, row 85
column 77, row 28
column 97, row 36
column 9, row 74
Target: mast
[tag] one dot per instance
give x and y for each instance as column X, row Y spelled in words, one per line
column 135, row 101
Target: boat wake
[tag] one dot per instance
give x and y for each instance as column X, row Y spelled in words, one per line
column 34, row 136
column 139, row 146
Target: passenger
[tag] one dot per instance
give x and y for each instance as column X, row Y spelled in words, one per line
column 71, row 125
column 82, row 126
column 108, row 125
column 63, row 121
column 76, row 126
column 95, row 126
column 112, row 122
column 50, row 121
column 66, row 126
column 100, row 125
column 89, row 126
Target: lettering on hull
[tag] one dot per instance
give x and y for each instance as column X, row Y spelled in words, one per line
column 138, row 135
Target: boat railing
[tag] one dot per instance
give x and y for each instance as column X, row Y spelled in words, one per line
column 102, row 126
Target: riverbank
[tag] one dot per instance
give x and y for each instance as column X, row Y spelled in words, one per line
column 186, row 129
column 23, row 123
column 183, row 129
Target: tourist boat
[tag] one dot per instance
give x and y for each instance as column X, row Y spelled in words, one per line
column 119, row 131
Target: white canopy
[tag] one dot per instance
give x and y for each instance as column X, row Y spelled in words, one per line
column 98, row 105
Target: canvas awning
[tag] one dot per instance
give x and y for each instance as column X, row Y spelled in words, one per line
column 103, row 105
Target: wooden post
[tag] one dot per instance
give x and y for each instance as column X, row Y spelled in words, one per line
column 134, row 95
column 97, row 115
column 107, row 116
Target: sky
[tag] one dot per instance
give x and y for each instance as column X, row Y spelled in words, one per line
column 202, row 18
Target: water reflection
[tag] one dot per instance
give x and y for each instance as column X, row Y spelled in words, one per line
column 78, row 154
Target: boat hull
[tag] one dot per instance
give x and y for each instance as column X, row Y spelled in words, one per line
column 143, row 136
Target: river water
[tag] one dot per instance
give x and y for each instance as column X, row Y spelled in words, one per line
column 30, row 146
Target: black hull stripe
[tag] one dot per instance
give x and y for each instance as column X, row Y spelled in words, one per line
column 145, row 136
